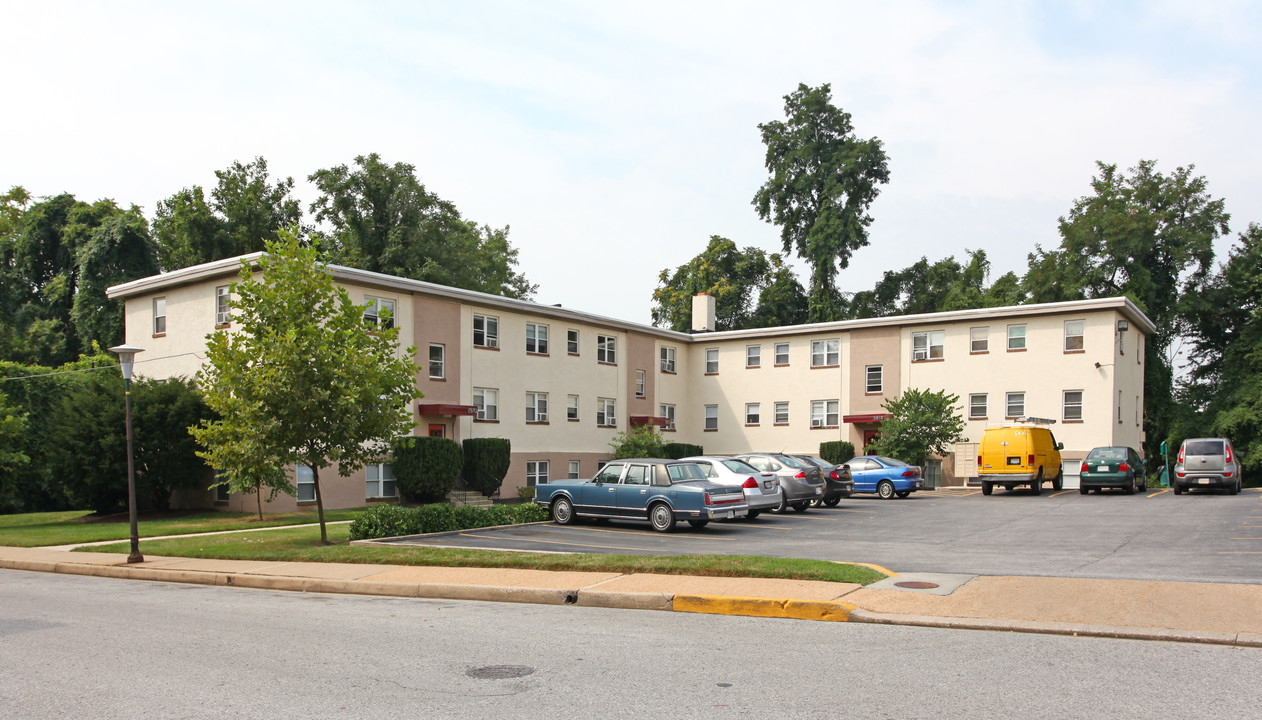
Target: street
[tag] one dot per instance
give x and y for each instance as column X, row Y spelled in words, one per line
column 92, row 647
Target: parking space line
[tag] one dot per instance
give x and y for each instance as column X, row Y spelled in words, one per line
column 1062, row 492
column 1257, row 538
column 869, row 512
column 572, row 544
column 1241, row 552
column 1160, row 492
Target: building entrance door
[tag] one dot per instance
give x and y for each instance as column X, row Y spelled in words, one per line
column 869, row 437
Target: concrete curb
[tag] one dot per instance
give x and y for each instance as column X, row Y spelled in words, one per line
column 763, row 607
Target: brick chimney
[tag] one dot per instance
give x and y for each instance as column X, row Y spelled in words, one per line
column 703, row 312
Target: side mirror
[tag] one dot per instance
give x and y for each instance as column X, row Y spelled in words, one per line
column 1060, row 446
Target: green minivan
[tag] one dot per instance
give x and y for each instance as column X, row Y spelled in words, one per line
column 1112, row 467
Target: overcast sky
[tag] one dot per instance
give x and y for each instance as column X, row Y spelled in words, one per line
column 614, row 139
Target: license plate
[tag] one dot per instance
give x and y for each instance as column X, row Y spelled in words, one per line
column 1014, row 461
column 1102, row 468
column 767, row 485
column 819, row 491
column 1203, row 481
column 728, row 514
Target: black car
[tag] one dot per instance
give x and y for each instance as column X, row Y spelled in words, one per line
column 837, row 481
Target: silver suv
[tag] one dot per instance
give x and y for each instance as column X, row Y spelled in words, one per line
column 800, row 481
column 1206, row 463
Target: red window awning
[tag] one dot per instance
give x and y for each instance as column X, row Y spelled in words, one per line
column 445, row 409
column 862, row 419
column 638, row 420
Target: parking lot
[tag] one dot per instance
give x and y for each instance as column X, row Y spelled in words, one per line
column 1149, row 536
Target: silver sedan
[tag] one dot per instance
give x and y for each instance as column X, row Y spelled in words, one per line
column 762, row 489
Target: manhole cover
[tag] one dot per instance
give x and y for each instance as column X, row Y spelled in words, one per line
column 916, row 585
column 499, row 672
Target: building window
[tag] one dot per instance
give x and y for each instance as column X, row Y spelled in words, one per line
column 825, row 353
column 977, row 406
column 782, row 413
column 753, row 356
column 223, row 306
column 1016, row 337
column 606, row 349
column 536, row 472
column 668, row 359
column 1119, row 407
column 979, row 340
column 753, row 413
column 1072, row 404
column 574, row 470
column 927, row 345
column 571, row 408
column 875, row 381
column 159, row 316
column 378, row 312
column 437, row 361
column 782, row 354
column 222, row 491
column 1015, row 405
column 711, row 361
column 825, row 413
column 536, row 339
column 380, row 481
column 668, row 412
column 486, row 331
column 606, row 412
column 571, row 342
column 536, row 407
column 639, row 383
column 1074, row 330
column 711, row 417
column 305, row 480
column 487, row 402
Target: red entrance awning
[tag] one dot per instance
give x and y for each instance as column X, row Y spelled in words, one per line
column 445, row 409
column 638, row 420
column 869, row 418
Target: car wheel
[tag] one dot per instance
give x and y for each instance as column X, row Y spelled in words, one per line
column 1130, row 489
column 903, row 493
column 885, row 489
column 1233, row 489
column 986, row 488
column 784, row 503
column 698, row 524
column 563, row 511
column 662, row 517
column 816, row 502
column 1058, row 481
column 832, row 501
column 752, row 514
column 1175, row 487
column 1036, row 487
column 1083, row 490
column 801, row 507
column 1143, row 485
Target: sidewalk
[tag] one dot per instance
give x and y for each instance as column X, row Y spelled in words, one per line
column 1215, row 613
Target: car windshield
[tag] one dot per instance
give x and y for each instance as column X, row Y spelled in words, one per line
column 1107, row 455
column 1204, row 447
column 891, row 461
column 792, row 461
column 682, row 472
column 737, row 466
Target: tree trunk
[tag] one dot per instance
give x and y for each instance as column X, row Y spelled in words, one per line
column 315, row 477
column 258, row 495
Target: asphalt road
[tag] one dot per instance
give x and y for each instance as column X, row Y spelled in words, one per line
column 88, row 647
column 1149, row 536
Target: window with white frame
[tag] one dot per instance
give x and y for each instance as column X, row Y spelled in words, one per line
column 927, row 345
column 571, row 408
column 825, row 353
column 875, row 382
column 753, row 356
column 606, row 412
column 437, row 361
column 536, row 339
column 711, row 361
column 536, row 472
column 1074, row 331
column 1014, row 405
column 379, row 482
column 223, row 305
column 378, row 312
column 753, row 413
column 536, row 407
column 639, row 383
column 782, row 353
column 1072, row 406
column 305, row 480
column 159, row 316
column 668, row 412
column 574, row 470
column 606, row 349
column 979, row 340
column 571, row 342
column 1016, row 337
column 825, row 413
column 782, row 413
column 711, row 417
column 668, row 359
column 487, row 402
column 486, row 331
column 977, row 406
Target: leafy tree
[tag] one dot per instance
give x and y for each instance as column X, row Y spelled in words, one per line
column 301, row 379
column 118, row 251
column 426, row 468
column 733, row 277
column 381, row 218
column 12, row 431
column 638, row 442
column 923, row 422
column 782, row 301
column 486, row 463
column 823, row 179
column 943, row 286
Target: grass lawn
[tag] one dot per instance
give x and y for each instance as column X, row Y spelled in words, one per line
column 76, row 526
column 302, row 544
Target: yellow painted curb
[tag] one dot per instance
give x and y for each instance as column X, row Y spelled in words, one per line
column 763, row 607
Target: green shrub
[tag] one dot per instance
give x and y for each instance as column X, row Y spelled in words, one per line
column 528, row 513
column 526, row 493
column 836, row 451
column 426, row 468
column 468, row 516
column 678, row 450
column 385, row 521
column 393, row 520
column 639, row 442
column 486, row 462
column 439, row 517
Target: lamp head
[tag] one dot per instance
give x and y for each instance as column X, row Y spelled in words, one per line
column 126, row 357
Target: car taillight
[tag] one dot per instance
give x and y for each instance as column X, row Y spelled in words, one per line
column 1179, row 474
column 1030, row 461
column 801, row 475
column 1228, row 453
column 834, row 475
column 1084, row 467
column 707, row 498
column 1180, row 456
column 1226, row 474
column 909, row 473
column 1123, row 468
column 750, row 483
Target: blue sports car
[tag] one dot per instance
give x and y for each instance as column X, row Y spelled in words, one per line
column 884, row 476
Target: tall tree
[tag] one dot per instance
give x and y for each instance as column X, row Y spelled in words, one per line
column 302, row 379
column 823, row 179
column 381, row 218
column 733, row 277
column 943, row 286
column 13, row 423
column 118, row 251
column 782, row 301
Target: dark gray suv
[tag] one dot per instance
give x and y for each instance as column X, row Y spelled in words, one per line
column 801, row 481
column 1206, row 463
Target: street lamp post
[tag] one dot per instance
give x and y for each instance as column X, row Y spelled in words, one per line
column 126, row 356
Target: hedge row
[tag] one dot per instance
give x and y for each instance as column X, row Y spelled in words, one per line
column 394, row 520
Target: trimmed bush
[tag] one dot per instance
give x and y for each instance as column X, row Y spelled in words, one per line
column 439, row 517
column 385, row 521
column 836, row 451
column 393, row 520
column 426, row 468
column 486, row 463
column 676, row 450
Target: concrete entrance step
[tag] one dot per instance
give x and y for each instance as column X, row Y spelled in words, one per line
column 468, row 497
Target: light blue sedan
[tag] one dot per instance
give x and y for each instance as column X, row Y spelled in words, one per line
column 884, row 476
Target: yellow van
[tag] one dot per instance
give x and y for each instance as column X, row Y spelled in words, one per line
column 1024, row 453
